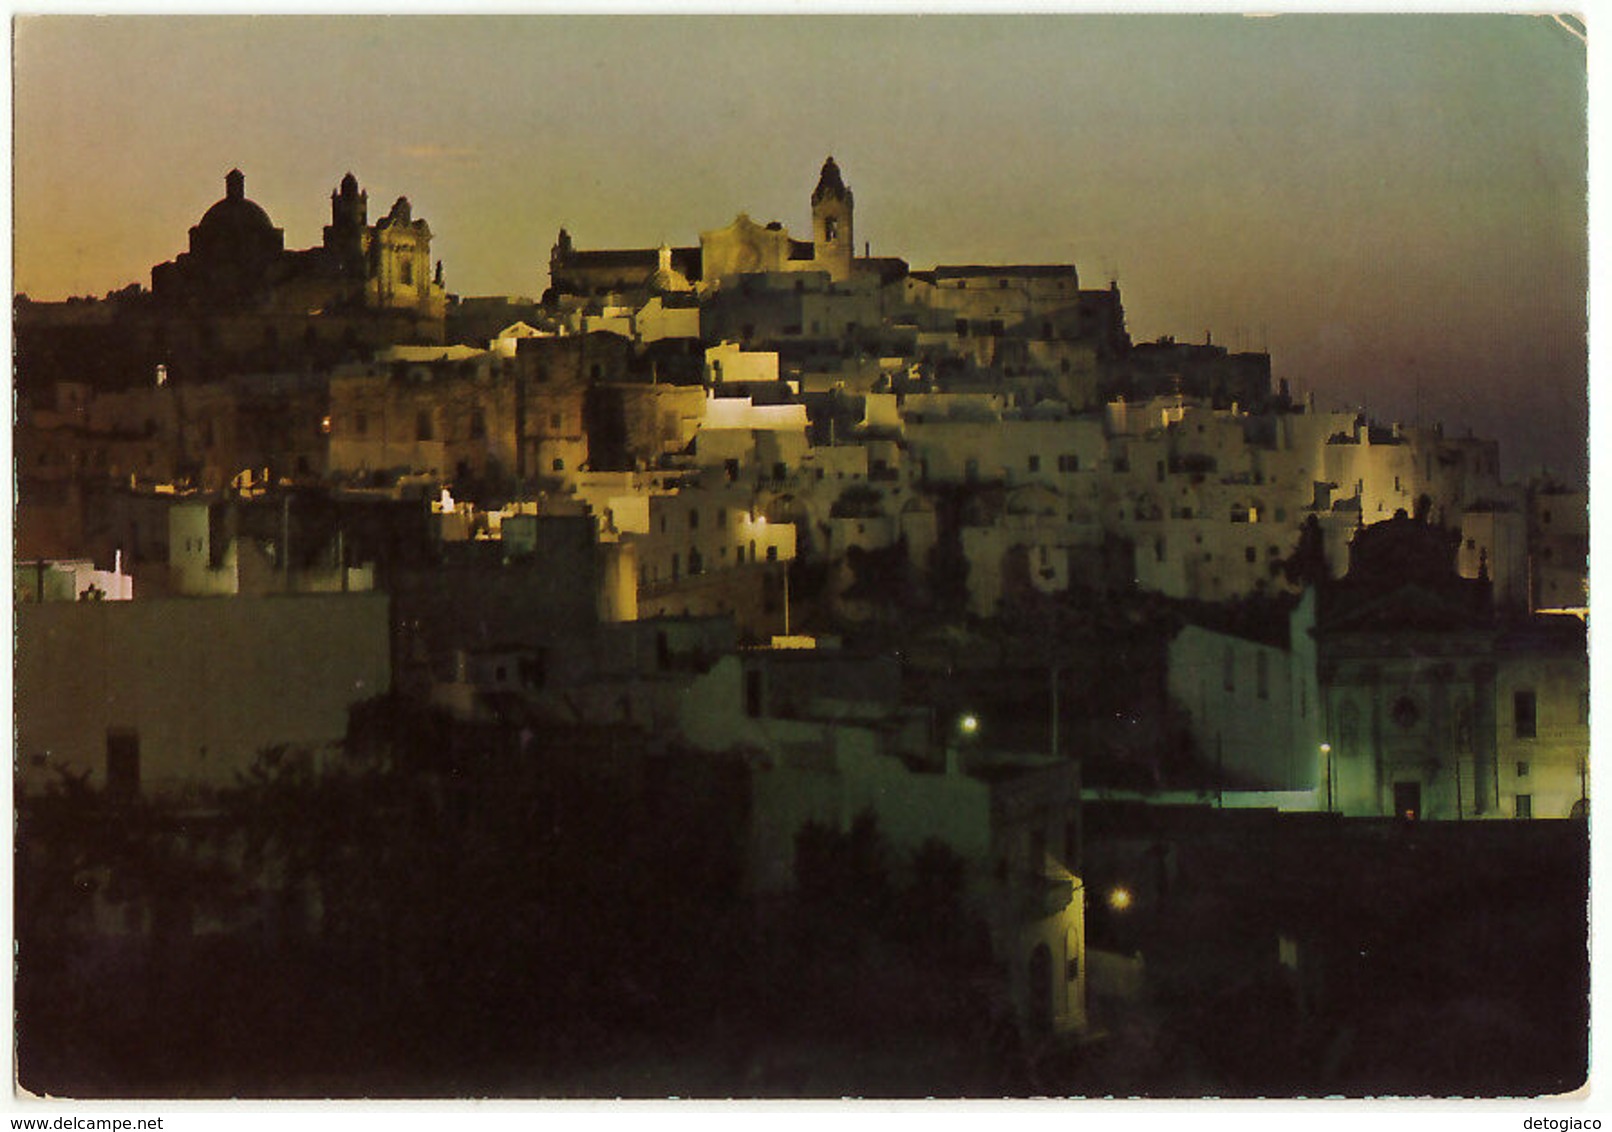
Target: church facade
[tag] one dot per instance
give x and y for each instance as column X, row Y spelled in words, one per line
column 742, row 247
column 237, row 257
column 238, row 301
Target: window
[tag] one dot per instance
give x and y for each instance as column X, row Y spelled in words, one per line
column 772, row 554
column 422, row 425
column 693, row 518
column 1069, row 463
column 478, row 424
column 1405, row 712
column 753, row 693
column 1035, row 463
column 831, row 228
column 1522, row 770
column 361, row 423
column 555, row 421
column 1524, row 714
column 1250, row 554
column 559, row 464
column 1525, row 806
column 406, row 272
column 696, row 564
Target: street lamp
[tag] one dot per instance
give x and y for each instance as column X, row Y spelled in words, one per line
column 1326, row 765
column 968, row 724
column 1119, row 898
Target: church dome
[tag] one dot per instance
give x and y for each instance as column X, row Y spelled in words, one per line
column 236, row 214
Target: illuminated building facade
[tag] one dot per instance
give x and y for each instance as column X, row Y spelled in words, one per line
column 1395, row 691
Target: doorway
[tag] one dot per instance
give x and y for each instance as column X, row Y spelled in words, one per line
column 1408, row 800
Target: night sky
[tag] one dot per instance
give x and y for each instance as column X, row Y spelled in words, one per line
column 1394, row 206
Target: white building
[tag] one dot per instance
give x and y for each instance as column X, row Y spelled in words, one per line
column 1397, row 692
column 1013, row 820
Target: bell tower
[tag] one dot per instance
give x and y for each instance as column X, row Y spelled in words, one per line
column 833, row 240
column 349, row 207
column 349, row 223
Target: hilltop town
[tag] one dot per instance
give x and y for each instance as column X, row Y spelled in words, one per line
column 760, row 631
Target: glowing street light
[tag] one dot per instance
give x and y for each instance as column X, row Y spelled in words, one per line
column 1119, row 898
column 968, row 724
column 1326, row 765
